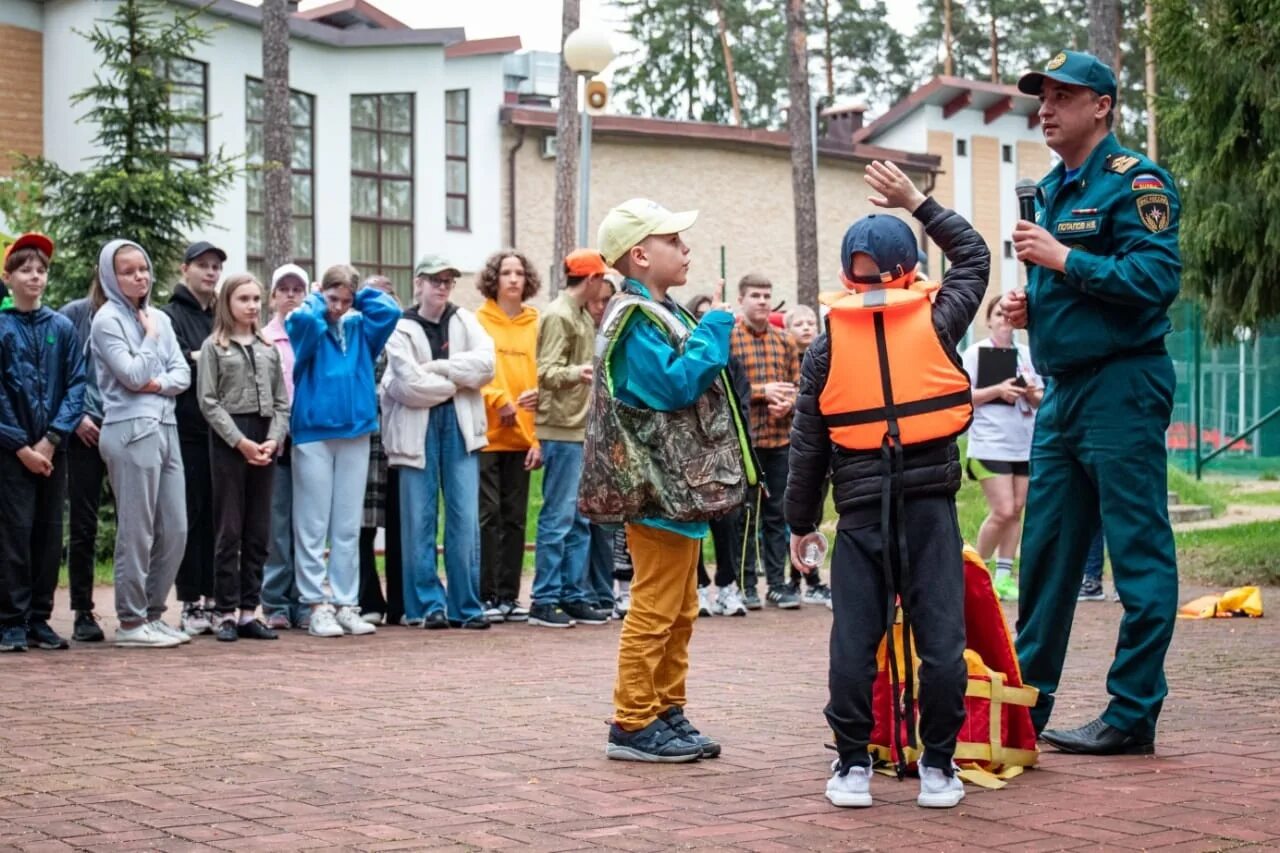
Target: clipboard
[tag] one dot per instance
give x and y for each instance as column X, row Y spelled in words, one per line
column 996, row 365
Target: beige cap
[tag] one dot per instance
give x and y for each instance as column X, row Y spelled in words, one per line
column 632, row 221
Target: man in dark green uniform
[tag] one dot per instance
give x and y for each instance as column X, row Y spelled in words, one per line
column 1105, row 268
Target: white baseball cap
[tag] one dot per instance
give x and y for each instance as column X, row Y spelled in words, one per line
column 632, row 221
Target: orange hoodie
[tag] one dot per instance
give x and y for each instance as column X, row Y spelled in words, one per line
column 515, row 344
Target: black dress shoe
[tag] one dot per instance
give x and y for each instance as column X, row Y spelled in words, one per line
column 436, row 621
column 226, row 631
column 1098, row 738
column 255, row 630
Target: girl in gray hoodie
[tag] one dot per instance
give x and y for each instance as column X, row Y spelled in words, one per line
column 140, row 371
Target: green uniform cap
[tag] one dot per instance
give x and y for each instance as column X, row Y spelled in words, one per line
column 1075, row 69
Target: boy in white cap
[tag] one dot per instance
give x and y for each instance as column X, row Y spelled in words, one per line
column 666, row 450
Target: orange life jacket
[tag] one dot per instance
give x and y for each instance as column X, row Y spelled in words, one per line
column 890, row 376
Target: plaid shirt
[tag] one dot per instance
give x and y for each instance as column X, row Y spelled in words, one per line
column 768, row 356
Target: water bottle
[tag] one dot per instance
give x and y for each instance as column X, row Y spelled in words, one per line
column 813, row 550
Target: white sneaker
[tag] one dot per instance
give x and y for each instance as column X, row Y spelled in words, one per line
column 323, row 623
column 144, row 637
column 851, row 789
column 494, row 612
column 704, row 601
column 373, row 617
column 938, row 790
column 622, row 606
column 730, row 601
column 169, row 631
column 195, row 620
column 349, row 620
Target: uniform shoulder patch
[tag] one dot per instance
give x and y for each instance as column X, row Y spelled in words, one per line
column 1146, row 182
column 1120, row 163
column 1153, row 210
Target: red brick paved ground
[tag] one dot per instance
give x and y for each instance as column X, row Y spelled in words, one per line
column 459, row 740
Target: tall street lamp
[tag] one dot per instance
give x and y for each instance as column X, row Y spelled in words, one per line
column 587, row 52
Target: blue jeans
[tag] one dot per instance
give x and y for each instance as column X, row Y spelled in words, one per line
column 564, row 534
column 600, row 571
column 1093, row 562
column 279, row 585
column 455, row 472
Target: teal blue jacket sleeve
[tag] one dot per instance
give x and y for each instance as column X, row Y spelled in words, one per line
column 381, row 313
column 648, row 372
column 305, row 327
column 1145, row 268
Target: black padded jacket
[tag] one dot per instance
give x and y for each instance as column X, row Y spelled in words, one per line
column 929, row 469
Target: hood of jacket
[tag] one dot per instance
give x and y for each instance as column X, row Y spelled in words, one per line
column 491, row 312
column 107, row 275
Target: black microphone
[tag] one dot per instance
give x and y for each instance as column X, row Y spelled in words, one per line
column 1026, row 191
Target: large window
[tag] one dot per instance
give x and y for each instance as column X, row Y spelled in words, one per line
column 382, row 187
column 188, row 94
column 302, row 166
column 457, row 209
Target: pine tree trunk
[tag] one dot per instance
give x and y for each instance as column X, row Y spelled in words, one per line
column 568, row 127
column 1104, row 22
column 799, row 124
column 718, row 5
column 1152, row 147
column 827, row 56
column 995, row 51
column 277, row 136
column 948, row 66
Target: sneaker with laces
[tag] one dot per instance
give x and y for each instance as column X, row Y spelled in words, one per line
column 514, row 611
column 1006, row 587
column 674, row 717
column 751, row 600
column 850, row 785
column 622, row 606
column 782, row 598
column 349, row 621
column 279, row 622
column 411, row 623
column 938, row 788
column 817, row 594
column 255, row 629
column 704, row 601
column 226, row 631
column 41, row 636
column 169, row 631
column 656, row 742
column 729, row 601
column 13, row 639
column 87, row 629
column 144, row 636
column 195, row 620
column 580, row 611
column 1091, row 590
column 323, row 623
column 493, row 612
column 373, row 617
column 549, row 616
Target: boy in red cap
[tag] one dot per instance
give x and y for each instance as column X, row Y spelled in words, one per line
column 41, row 401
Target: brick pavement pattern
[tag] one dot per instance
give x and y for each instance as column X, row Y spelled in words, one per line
column 453, row 740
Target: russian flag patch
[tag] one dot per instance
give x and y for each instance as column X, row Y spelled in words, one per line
column 1146, row 182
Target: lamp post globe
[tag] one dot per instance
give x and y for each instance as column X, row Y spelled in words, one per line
column 587, row 51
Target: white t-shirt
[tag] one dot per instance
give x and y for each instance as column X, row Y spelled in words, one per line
column 999, row 432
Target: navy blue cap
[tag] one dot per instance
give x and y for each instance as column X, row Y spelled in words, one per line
column 202, row 247
column 1075, row 69
column 887, row 239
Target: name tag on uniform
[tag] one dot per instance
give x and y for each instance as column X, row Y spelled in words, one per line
column 1078, row 227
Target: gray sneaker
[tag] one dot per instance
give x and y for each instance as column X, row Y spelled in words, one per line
column 751, row 600
column 783, row 598
column 1091, row 590
column 819, row 594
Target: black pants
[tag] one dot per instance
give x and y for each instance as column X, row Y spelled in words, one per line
column 242, row 514
column 371, row 598
column 86, row 473
column 726, row 540
column 30, row 539
column 934, row 598
column 504, row 503
column 772, row 544
column 623, row 569
column 195, row 573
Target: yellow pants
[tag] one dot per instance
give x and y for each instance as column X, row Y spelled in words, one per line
column 653, row 653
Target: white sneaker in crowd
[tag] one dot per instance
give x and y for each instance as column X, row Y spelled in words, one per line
column 850, row 788
column 622, row 605
column 514, row 611
column 144, row 637
column 704, row 601
column 373, row 617
column 495, row 612
column 195, row 620
column 349, row 620
column 938, row 790
column 323, row 623
column 730, row 600
column 169, row 631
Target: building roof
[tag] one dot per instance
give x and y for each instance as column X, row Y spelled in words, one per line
column 483, row 47
column 315, row 31
column 714, row 134
column 344, row 14
column 954, row 94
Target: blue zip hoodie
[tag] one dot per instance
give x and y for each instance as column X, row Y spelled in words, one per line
column 334, row 395
column 41, row 376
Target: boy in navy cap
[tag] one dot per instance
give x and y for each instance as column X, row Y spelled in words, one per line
column 882, row 396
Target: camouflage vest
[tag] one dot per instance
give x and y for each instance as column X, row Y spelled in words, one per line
column 638, row 463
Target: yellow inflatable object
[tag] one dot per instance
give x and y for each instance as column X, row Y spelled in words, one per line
column 1241, row 601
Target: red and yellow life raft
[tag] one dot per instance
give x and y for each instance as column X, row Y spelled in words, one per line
column 998, row 739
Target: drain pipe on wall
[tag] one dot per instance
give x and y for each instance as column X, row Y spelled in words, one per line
column 511, row 187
